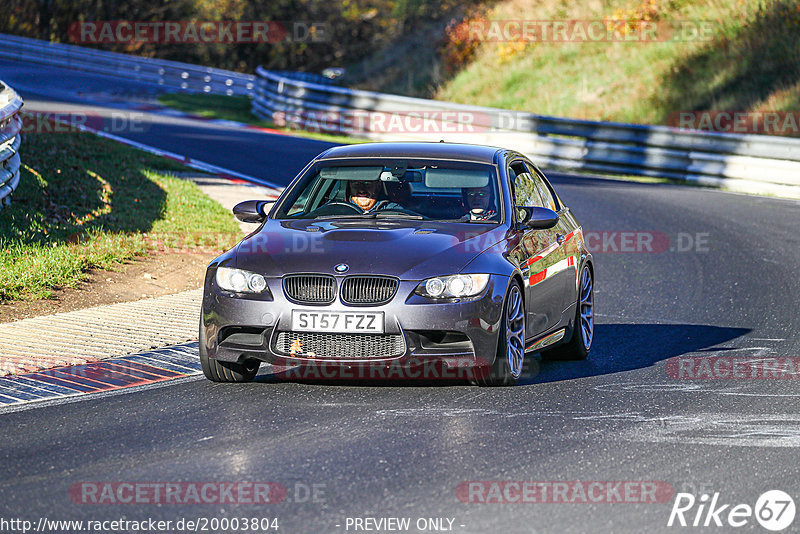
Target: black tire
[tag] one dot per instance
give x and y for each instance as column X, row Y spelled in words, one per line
column 501, row 372
column 218, row 371
column 578, row 347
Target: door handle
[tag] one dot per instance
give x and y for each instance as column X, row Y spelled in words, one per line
column 559, row 238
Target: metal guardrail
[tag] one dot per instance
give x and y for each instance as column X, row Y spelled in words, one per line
column 10, row 139
column 311, row 77
column 749, row 163
column 170, row 74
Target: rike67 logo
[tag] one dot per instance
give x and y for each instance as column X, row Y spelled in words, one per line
column 774, row 510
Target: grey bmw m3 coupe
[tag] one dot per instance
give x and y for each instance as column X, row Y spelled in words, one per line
column 385, row 253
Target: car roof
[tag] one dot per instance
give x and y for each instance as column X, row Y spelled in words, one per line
column 416, row 150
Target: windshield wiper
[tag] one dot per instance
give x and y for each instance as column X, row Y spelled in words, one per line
column 387, row 214
column 342, row 216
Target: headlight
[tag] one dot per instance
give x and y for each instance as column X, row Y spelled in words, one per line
column 456, row 286
column 239, row 281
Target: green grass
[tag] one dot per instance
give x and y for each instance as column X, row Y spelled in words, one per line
column 89, row 203
column 237, row 108
column 751, row 63
column 232, row 108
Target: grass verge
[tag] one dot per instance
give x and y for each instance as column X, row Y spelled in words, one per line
column 237, row 108
column 89, row 203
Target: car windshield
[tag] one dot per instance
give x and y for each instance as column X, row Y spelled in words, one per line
column 425, row 190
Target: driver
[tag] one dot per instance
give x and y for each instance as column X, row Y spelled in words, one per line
column 478, row 200
column 364, row 195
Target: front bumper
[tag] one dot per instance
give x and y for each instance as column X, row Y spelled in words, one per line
column 235, row 329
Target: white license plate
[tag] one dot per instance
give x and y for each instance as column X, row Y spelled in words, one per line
column 342, row 322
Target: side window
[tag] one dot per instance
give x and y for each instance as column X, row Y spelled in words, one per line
column 512, row 177
column 544, row 190
column 524, row 186
column 300, row 204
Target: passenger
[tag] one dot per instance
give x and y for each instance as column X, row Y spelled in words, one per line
column 479, row 202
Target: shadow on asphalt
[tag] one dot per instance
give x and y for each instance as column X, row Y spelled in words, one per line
column 617, row 348
column 620, row 347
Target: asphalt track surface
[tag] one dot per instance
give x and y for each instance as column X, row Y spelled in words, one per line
column 383, row 450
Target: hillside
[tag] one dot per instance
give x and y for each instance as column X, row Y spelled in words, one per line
column 750, row 62
column 724, row 55
column 747, row 60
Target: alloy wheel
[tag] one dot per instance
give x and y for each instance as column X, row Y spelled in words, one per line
column 515, row 331
column 587, row 308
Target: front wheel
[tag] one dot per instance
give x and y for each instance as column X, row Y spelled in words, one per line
column 507, row 366
column 583, row 332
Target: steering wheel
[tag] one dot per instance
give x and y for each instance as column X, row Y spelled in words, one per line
column 353, row 207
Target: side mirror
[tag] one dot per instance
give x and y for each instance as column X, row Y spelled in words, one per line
column 536, row 218
column 252, row 211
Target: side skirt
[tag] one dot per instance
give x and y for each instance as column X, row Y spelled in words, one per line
column 546, row 341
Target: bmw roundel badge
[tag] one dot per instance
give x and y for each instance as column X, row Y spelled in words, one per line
column 342, row 268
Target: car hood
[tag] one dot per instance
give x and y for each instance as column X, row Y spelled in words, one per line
column 410, row 250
